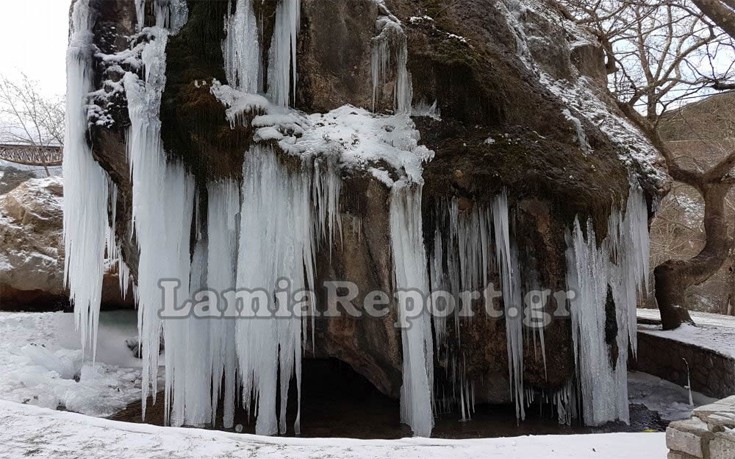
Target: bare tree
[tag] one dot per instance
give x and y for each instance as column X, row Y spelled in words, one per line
column 721, row 12
column 28, row 117
column 659, row 55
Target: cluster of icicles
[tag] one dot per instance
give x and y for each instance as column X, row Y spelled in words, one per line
column 270, row 227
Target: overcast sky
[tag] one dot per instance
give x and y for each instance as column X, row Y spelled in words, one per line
column 33, row 37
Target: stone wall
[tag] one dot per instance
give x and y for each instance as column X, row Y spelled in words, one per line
column 709, row 434
column 711, row 373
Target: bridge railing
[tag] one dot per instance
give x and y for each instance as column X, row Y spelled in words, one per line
column 32, row 155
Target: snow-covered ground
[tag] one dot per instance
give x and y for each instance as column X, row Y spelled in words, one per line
column 27, row 430
column 713, row 331
column 41, row 363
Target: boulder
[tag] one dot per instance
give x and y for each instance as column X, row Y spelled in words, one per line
column 31, row 250
column 521, row 109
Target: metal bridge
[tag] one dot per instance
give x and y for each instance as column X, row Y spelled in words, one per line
column 32, row 155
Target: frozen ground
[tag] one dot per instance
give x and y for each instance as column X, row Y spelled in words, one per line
column 28, row 430
column 669, row 400
column 713, row 331
column 41, row 363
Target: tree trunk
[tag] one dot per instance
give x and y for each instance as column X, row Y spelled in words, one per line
column 721, row 12
column 674, row 277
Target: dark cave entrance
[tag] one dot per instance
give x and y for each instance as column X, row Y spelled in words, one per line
column 338, row 402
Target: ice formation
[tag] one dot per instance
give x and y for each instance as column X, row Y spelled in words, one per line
column 280, row 227
column 462, row 261
column 613, row 270
column 264, row 234
column 162, row 226
column 507, row 258
column 222, row 232
column 169, row 14
column 390, row 57
column 459, row 261
column 86, row 185
column 409, row 265
column 241, row 49
column 282, row 74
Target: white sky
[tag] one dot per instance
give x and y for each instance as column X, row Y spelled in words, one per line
column 33, row 37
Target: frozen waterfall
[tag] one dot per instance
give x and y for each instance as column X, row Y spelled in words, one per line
column 258, row 238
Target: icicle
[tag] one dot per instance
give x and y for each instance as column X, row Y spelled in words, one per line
column 171, row 14
column 188, row 364
column 223, row 210
column 565, row 401
column 615, row 271
column 437, row 278
column 86, row 186
column 579, row 128
column 277, row 244
column 507, row 257
column 466, row 251
column 282, row 74
column 326, row 190
column 409, row 259
column 140, row 13
column 114, row 252
column 391, row 39
column 241, row 48
column 163, row 201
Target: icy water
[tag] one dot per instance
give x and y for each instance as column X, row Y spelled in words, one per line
column 337, row 402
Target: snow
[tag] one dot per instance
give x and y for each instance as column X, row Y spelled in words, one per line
column 41, row 363
column 48, row 434
column 582, row 94
column 353, row 137
column 361, row 139
column 713, row 331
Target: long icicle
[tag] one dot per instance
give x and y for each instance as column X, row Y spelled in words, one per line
column 86, row 188
column 409, row 264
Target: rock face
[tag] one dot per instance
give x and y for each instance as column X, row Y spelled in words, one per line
column 31, row 254
column 509, row 96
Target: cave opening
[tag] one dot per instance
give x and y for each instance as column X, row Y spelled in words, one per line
column 336, row 401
